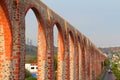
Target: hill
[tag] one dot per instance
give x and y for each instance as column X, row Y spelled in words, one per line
column 110, row 50
column 31, row 53
column 31, row 50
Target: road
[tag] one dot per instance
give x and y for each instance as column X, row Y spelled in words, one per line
column 109, row 76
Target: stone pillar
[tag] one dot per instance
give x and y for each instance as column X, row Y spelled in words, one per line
column 60, row 69
column 16, row 42
column 5, row 42
column 86, row 65
column 89, row 67
column 95, row 64
column 80, row 61
column 72, row 57
column 91, row 64
column 83, row 64
column 77, row 61
column 44, row 58
column 67, row 60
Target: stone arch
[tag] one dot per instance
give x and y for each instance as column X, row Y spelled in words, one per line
column 5, row 42
column 37, row 13
column 60, row 39
column 60, row 51
column 41, row 43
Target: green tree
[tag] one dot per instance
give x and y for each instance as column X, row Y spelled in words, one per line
column 31, row 78
column 55, row 66
column 31, row 59
column 55, row 62
column 116, row 71
column 27, row 73
column 28, row 76
column 107, row 63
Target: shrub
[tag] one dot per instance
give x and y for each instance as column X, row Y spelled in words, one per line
column 107, row 63
column 31, row 78
column 116, row 71
column 27, row 74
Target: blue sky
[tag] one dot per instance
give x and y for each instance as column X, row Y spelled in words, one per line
column 98, row 20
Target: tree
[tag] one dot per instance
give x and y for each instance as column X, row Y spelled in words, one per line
column 31, row 78
column 27, row 73
column 107, row 63
column 116, row 71
column 55, row 66
column 28, row 76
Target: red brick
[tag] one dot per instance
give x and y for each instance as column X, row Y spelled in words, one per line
column 1, row 76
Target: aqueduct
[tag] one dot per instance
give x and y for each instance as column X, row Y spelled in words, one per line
column 78, row 58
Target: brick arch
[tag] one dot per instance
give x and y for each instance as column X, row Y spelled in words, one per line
column 37, row 13
column 42, row 57
column 60, row 50
column 5, row 42
column 60, row 39
column 45, row 16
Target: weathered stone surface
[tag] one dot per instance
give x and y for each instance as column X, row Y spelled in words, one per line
column 78, row 58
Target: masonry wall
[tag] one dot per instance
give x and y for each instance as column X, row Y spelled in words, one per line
column 78, row 58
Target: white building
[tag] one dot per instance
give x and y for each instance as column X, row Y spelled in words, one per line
column 32, row 67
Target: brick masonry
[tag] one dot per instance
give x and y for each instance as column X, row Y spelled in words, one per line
column 78, row 58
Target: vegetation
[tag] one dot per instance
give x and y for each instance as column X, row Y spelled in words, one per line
column 31, row 78
column 116, row 65
column 116, row 71
column 28, row 76
column 31, row 59
column 27, row 73
column 31, row 54
column 55, row 62
column 55, row 66
column 107, row 63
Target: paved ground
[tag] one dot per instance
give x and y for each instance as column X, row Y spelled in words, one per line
column 109, row 76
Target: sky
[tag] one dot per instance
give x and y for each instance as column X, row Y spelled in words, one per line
column 99, row 20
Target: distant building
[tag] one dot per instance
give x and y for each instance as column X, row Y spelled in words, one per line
column 115, row 58
column 32, row 67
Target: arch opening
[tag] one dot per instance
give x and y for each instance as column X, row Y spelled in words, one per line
column 36, row 43
column 58, row 50
column 31, row 35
